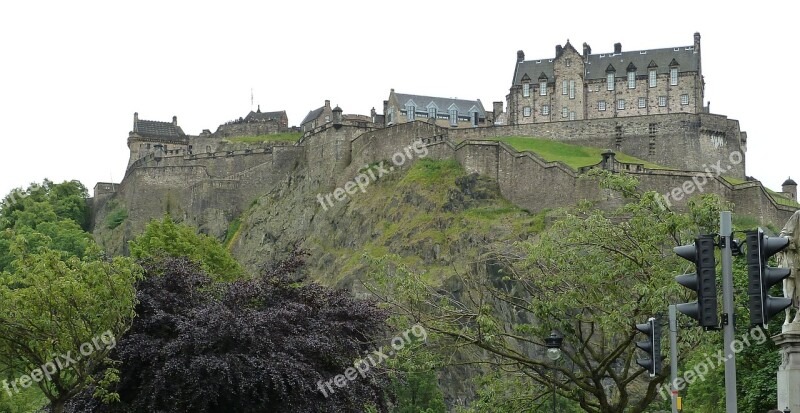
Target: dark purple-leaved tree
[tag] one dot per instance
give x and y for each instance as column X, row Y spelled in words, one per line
column 259, row 345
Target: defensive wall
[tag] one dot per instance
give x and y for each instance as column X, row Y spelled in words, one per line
column 211, row 189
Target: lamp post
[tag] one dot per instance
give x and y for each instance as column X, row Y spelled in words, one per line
column 553, row 344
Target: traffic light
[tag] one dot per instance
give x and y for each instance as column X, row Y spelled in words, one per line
column 651, row 346
column 761, row 276
column 703, row 282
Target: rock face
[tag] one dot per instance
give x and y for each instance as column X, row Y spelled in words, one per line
column 438, row 218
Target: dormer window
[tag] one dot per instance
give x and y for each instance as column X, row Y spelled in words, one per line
column 610, row 81
column 526, row 89
column 543, row 88
column 453, row 117
column 673, row 76
column 410, row 112
column 631, row 80
column 432, row 113
column 651, row 78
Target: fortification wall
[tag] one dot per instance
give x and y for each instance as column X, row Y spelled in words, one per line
column 681, row 141
column 249, row 129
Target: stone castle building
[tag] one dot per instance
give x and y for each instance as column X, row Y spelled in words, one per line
column 445, row 112
column 209, row 180
column 580, row 85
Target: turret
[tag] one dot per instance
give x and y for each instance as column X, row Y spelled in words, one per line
column 337, row 117
column 789, row 188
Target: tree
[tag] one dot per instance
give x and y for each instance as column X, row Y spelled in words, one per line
column 166, row 237
column 60, row 318
column 255, row 345
column 591, row 276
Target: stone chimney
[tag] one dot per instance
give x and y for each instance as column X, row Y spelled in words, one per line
column 789, row 186
column 587, row 50
column 327, row 104
column 174, row 121
column 497, row 109
column 559, row 49
column 617, row 48
column 697, row 42
column 373, row 114
column 136, row 121
column 520, row 56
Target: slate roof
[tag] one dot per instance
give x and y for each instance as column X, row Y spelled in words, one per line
column 443, row 104
column 264, row 116
column 684, row 56
column 789, row 181
column 163, row 130
column 312, row 115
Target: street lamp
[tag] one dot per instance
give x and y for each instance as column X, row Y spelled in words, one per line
column 553, row 344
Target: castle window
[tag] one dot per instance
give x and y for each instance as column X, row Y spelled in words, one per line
column 662, row 101
column 564, row 87
column 564, row 112
column 610, row 81
column 542, row 88
column 642, row 103
column 432, row 113
column 572, row 89
column 631, row 80
column 526, row 89
column 391, row 116
column 652, row 78
column 410, row 112
column 327, row 119
column 572, row 116
column 569, row 62
column 601, row 105
column 453, row 117
column 545, row 110
column 673, row 76
column 684, row 99
column 526, row 111
column 621, row 104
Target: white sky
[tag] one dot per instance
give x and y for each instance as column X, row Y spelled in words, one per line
column 72, row 73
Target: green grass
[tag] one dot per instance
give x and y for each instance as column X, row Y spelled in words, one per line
column 277, row 137
column 733, row 181
column 575, row 156
column 782, row 200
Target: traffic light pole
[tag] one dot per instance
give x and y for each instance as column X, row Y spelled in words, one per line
column 673, row 355
column 725, row 236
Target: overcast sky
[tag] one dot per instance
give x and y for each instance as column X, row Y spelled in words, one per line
column 72, row 73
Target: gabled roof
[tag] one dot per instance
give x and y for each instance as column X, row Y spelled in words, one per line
column 155, row 129
column 463, row 105
column 264, row 116
column 312, row 115
column 685, row 58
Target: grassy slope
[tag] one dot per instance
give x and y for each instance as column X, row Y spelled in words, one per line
column 573, row 155
column 437, row 218
column 779, row 199
column 278, row 137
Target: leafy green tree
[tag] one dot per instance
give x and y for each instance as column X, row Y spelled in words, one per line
column 166, row 237
column 53, row 216
column 591, row 276
column 51, row 308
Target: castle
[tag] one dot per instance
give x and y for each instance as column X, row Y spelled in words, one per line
column 210, row 181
